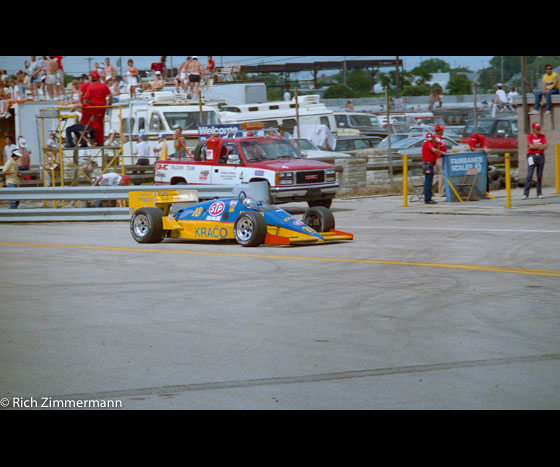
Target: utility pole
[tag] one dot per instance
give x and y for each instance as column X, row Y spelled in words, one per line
column 344, row 71
column 524, row 94
column 502, row 69
column 89, row 59
column 397, row 76
column 475, row 107
column 389, row 136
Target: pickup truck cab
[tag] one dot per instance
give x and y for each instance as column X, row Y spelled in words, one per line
column 234, row 161
column 500, row 133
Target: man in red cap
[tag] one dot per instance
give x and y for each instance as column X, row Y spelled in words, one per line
column 438, row 130
column 536, row 142
column 430, row 154
column 478, row 143
column 96, row 96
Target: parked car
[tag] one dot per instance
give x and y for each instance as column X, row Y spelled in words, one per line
column 454, row 117
column 310, row 151
column 500, row 132
column 394, row 138
column 412, row 146
column 447, row 131
column 433, row 120
column 347, row 144
column 398, row 127
column 365, row 123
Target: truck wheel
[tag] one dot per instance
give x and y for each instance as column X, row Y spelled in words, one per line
column 250, row 229
column 320, row 202
column 319, row 218
column 146, row 225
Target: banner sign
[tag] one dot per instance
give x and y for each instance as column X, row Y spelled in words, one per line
column 207, row 131
column 455, row 167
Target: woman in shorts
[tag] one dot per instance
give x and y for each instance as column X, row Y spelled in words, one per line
column 131, row 78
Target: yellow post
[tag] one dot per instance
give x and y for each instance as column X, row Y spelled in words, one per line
column 508, row 183
column 557, row 171
column 405, row 180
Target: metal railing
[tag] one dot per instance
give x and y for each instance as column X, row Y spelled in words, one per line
column 257, row 190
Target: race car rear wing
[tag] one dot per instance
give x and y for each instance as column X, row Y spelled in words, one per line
column 163, row 199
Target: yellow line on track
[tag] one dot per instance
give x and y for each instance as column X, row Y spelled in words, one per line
column 539, row 272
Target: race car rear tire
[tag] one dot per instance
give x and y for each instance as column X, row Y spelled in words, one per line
column 146, row 225
column 319, row 218
column 250, row 229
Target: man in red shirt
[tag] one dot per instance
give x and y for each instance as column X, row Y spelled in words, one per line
column 84, row 123
column 96, row 96
column 209, row 70
column 159, row 66
column 478, row 143
column 439, row 163
column 536, row 142
column 430, row 154
column 60, row 75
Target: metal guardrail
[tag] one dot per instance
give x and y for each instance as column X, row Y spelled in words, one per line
column 76, row 193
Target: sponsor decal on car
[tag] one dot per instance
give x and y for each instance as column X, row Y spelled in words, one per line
column 216, row 208
column 210, row 232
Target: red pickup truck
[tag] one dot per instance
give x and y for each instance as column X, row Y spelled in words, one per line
column 500, row 133
column 234, row 161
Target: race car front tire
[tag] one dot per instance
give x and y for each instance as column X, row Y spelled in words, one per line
column 319, row 218
column 146, row 225
column 250, row 229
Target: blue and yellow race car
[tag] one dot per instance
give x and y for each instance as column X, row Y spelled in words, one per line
column 243, row 219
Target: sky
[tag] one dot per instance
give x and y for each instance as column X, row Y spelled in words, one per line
column 76, row 65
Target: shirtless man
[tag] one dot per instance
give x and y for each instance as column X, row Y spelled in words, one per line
column 52, row 88
column 195, row 72
column 156, row 85
column 109, row 70
column 182, row 75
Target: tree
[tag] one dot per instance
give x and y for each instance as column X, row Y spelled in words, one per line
column 435, row 65
column 360, row 82
column 459, row 84
column 339, row 91
column 418, row 90
column 421, row 75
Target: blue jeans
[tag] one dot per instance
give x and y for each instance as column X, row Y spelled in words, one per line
column 539, row 165
column 13, row 204
column 548, row 96
column 428, row 180
column 76, row 129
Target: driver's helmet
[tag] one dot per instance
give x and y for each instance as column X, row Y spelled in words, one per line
column 250, row 203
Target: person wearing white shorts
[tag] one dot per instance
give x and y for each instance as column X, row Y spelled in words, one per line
column 131, row 78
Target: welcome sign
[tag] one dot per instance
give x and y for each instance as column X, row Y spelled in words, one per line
column 455, row 167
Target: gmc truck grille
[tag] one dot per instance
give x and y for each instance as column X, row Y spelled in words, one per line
column 305, row 178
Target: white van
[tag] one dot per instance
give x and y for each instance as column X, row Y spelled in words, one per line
column 159, row 116
column 281, row 113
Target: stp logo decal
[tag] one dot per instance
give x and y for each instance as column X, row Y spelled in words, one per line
column 216, row 208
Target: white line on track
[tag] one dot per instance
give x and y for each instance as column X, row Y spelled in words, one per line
column 455, row 229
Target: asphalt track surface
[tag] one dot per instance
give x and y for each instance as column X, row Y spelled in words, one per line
column 450, row 306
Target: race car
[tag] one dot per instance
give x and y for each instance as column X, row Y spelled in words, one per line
column 243, row 219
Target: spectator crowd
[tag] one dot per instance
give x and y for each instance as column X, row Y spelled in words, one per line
column 43, row 77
